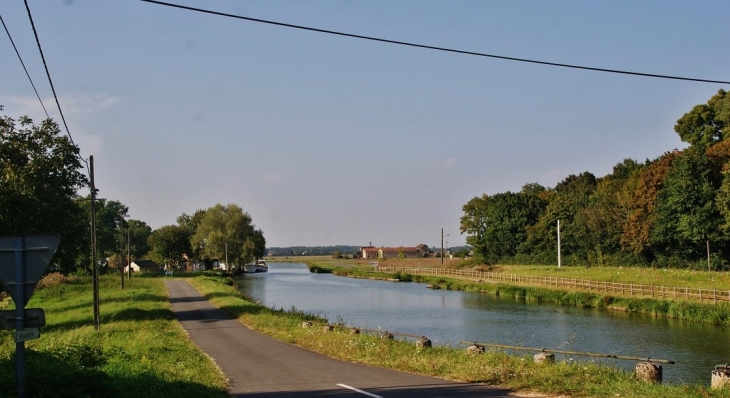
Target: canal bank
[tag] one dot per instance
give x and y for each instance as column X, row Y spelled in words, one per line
column 447, row 317
column 673, row 308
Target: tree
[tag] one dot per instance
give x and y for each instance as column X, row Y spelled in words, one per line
column 686, row 215
column 706, row 124
column 139, row 233
column 635, row 238
column 474, row 223
column 228, row 230
column 39, row 178
column 600, row 223
column 169, row 245
column 566, row 200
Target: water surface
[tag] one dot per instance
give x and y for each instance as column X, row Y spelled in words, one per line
column 447, row 317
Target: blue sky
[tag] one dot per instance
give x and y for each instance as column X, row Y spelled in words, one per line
column 329, row 140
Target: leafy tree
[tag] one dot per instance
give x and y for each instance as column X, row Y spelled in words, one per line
column 497, row 224
column 139, row 233
column 600, row 223
column 107, row 230
column 190, row 223
column 635, row 238
column 228, row 229
column 259, row 244
column 570, row 195
column 706, row 124
column 474, row 223
column 39, row 178
column 686, row 213
column 169, row 245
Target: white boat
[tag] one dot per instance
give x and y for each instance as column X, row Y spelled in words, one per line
column 258, row 266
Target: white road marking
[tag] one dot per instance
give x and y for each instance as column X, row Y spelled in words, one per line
column 360, row 391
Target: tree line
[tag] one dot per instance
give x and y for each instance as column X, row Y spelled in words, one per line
column 40, row 177
column 672, row 211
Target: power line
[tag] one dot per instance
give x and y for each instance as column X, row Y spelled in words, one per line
column 24, row 68
column 403, row 43
column 50, row 81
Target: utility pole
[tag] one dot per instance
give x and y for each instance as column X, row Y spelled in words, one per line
column 558, row 243
column 129, row 256
column 94, row 264
column 121, row 249
column 442, row 246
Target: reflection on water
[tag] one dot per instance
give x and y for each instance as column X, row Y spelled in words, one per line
column 448, row 317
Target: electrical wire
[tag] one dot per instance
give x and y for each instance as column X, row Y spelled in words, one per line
column 24, row 68
column 403, row 43
column 50, row 81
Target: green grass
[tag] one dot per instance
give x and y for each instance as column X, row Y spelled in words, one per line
column 494, row 367
column 635, row 275
column 139, row 351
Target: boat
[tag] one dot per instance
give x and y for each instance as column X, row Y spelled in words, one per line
column 258, row 266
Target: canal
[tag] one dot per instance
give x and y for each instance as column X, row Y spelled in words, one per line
column 447, row 317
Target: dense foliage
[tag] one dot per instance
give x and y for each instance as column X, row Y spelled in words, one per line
column 662, row 212
column 39, row 177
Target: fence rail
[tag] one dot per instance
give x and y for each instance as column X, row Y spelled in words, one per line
column 708, row 296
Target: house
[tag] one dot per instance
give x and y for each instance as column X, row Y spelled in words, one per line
column 143, row 266
column 418, row 251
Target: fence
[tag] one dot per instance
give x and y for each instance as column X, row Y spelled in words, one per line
column 710, row 296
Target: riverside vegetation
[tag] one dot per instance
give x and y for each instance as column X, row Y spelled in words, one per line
column 141, row 350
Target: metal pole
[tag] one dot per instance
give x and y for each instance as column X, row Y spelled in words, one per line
column 228, row 267
column 20, row 313
column 442, row 246
column 708, row 256
column 558, row 243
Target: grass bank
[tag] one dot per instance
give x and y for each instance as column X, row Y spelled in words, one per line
column 139, row 351
column 715, row 314
column 494, row 367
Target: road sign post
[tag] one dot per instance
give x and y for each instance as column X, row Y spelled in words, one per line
column 23, row 259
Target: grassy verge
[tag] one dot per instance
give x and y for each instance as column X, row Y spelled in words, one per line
column 494, row 367
column 715, row 314
column 139, row 351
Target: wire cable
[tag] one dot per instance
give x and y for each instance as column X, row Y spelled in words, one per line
column 45, row 65
column 50, row 81
column 24, row 68
column 403, row 43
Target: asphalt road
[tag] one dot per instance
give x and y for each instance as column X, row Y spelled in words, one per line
column 260, row 366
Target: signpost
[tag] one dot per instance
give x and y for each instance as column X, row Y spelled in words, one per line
column 23, row 259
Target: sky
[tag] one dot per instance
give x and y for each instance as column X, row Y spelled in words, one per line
column 329, row 140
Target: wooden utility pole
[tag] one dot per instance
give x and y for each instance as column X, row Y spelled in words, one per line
column 94, row 263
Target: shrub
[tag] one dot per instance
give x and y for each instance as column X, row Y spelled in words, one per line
column 52, row 279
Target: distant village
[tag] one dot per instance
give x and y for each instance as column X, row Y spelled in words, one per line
column 369, row 251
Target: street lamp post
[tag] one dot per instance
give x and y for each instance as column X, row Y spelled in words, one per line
column 442, row 245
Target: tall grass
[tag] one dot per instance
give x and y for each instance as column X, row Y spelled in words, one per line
column 139, row 351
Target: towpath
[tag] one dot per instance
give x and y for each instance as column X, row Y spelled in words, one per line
column 260, row 366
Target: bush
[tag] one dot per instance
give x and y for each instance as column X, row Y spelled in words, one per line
column 52, row 279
